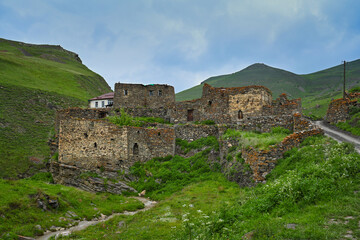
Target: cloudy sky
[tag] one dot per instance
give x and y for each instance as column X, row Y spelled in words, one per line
column 183, row 42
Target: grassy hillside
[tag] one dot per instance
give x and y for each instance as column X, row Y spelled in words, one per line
column 316, row 89
column 313, row 193
column 35, row 80
column 22, row 214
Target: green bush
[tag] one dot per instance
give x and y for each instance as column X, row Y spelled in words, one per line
column 43, row 176
column 320, row 171
column 280, row 130
column 198, row 144
column 354, row 89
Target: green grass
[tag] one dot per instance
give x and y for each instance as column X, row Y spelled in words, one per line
column 257, row 140
column 19, row 212
column 31, row 89
column 352, row 125
column 314, row 187
column 166, row 218
column 124, row 119
column 27, row 122
column 161, row 177
column 68, row 77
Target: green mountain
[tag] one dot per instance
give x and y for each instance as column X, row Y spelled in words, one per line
column 316, row 89
column 35, row 80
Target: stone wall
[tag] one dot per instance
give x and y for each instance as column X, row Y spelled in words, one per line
column 191, row 132
column 80, row 113
column 265, row 123
column 97, row 146
column 338, row 110
column 263, row 161
column 138, row 95
column 93, row 144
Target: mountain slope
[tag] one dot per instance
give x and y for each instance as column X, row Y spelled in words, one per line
column 316, row 89
column 35, row 80
column 277, row 80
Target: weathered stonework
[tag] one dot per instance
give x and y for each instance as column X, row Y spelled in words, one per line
column 138, row 95
column 338, row 110
column 263, row 161
column 191, row 132
column 257, row 163
column 90, row 146
column 102, row 147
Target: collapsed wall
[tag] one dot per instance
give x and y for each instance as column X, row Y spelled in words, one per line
column 339, row 109
column 250, row 166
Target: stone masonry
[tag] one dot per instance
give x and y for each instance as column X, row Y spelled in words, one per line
column 91, row 149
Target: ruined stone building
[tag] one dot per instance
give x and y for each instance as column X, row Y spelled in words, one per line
column 89, row 143
column 339, row 109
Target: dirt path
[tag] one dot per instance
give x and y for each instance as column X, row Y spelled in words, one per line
column 84, row 224
column 338, row 135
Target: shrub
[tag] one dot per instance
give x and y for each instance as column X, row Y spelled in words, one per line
column 280, row 130
column 354, row 89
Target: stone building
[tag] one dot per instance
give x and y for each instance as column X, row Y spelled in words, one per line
column 87, row 142
column 232, row 105
column 145, row 96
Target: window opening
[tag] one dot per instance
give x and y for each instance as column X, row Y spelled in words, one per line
column 95, row 145
column 102, row 103
column 210, row 102
column 125, row 92
column 96, row 104
column 240, row 114
column 190, row 115
column 151, row 93
column 136, row 149
column 160, row 93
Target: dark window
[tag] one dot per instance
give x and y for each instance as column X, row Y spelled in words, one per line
column 102, row 114
column 95, row 145
column 160, row 93
column 96, row 104
column 86, row 135
column 102, row 103
column 136, row 149
column 210, row 102
column 240, row 115
column 151, row 93
column 125, row 92
column 190, row 115
column 159, row 134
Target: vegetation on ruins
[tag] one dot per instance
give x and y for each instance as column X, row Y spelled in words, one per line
column 256, row 139
column 125, row 119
